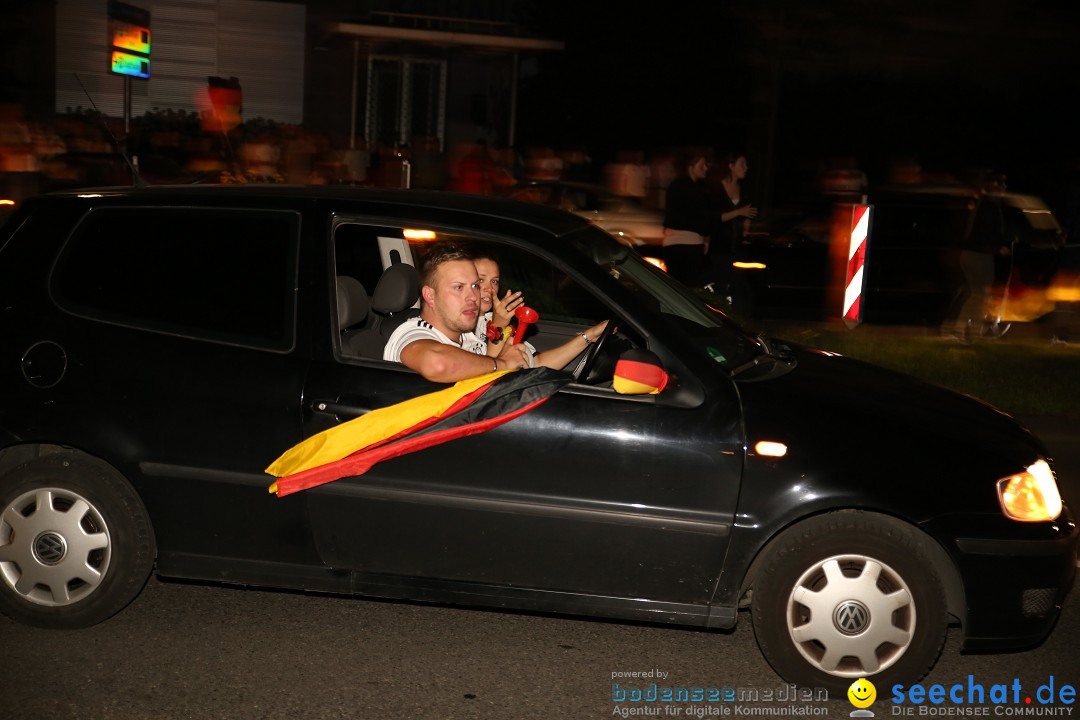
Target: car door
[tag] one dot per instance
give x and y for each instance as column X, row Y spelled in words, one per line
column 590, row 493
column 179, row 328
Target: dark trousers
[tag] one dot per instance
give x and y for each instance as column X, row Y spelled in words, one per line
column 686, row 263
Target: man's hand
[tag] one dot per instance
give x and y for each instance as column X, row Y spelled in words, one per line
column 513, row 357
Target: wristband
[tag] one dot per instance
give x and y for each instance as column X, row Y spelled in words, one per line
column 494, row 365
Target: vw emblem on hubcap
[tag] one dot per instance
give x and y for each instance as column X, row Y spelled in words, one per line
column 50, row 548
column 851, row 617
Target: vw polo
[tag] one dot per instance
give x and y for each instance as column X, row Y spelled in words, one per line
column 162, row 345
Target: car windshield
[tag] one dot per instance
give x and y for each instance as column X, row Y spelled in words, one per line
column 709, row 330
column 1032, row 224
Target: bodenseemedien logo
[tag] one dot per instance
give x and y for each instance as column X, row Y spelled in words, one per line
column 862, row 694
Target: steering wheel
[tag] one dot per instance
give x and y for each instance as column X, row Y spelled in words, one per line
column 588, row 361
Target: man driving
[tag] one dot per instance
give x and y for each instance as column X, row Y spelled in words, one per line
column 442, row 344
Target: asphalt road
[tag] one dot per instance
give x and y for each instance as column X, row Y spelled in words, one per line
column 213, row 653
column 204, row 652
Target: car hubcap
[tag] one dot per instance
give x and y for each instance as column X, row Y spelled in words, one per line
column 49, row 548
column 851, row 615
column 54, row 547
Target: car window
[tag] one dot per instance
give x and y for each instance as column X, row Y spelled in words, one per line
column 356, row 252
column 671, row 303
column 548, row 289
column 921, row 222
column 1035, row 227
column 221, row 275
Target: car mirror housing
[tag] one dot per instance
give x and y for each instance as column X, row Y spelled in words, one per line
column 639, row 372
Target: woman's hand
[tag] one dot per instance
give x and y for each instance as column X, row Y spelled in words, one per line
column 502, row 310
column 596, row 331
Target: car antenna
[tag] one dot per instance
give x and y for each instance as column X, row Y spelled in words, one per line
column 136, row 178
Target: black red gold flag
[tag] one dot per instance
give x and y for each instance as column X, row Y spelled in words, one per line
column 467, row 408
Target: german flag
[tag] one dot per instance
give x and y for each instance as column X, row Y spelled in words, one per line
column 639, row 372
column 467, row 408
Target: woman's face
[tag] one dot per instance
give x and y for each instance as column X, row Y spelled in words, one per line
column 739, row 168
column 488, row 270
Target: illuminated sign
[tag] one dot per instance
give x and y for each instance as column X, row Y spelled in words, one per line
column 128, row 64
column 130, row 37
column 129, row 40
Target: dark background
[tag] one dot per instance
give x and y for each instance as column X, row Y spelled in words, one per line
column 956, row 86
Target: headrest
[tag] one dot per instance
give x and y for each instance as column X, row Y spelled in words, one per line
column 352, row 301
column 398, row 289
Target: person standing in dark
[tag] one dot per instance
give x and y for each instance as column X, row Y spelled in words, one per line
column 978, row 252
column 686, row 221
column 733, row 214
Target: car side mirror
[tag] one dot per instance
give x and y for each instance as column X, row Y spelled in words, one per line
column 639, row 372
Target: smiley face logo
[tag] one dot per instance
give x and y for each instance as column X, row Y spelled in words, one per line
column 862, row 693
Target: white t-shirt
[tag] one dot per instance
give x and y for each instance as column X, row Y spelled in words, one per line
column 419, row 329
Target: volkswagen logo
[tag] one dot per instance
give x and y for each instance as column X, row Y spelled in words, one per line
column 50, row 548
column 851, row 617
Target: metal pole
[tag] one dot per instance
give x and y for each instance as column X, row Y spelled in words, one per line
column 355, row 73
column 513, row 102
column 127, row 106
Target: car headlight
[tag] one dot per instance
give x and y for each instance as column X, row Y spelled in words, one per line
column 1030, row 496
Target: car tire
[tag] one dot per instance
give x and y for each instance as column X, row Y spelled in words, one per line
column 849, row 595
column 76, row 545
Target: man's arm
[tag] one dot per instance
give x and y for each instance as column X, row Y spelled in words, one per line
column 443, row 363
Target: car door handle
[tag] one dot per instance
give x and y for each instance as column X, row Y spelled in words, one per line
column 339, row 409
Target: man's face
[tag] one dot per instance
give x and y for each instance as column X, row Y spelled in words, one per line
column 454, row 298
column 488, row 271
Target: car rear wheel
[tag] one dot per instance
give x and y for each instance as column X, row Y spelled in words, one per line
column 76, row 545
column 849, row 595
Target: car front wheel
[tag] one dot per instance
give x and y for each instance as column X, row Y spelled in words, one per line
column 849, row 595
column 76, row 545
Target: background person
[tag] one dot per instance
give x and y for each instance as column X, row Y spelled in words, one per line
column 732, row 219
column 686, row 221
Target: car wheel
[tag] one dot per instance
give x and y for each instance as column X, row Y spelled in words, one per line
column 76, row 545
column 849, row 595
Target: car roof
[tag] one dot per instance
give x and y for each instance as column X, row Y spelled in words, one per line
column 441, row 205
column 966, row 191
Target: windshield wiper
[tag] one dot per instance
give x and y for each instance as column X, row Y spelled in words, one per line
column 771, row 353
column 758, row 360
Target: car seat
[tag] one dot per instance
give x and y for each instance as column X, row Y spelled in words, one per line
column 353, row 308
column 397, row 291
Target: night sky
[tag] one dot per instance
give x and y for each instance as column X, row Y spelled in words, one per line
column 957, row 86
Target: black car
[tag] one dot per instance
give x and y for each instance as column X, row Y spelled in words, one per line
column 161, row 346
